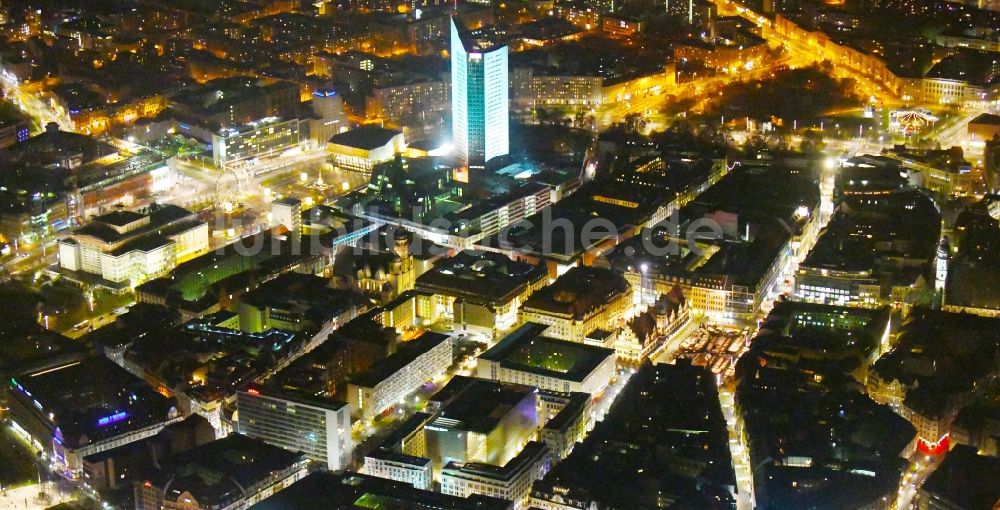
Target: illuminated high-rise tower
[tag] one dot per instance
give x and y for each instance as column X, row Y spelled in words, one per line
column 479, row 104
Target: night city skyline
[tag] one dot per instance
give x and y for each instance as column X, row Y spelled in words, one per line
column 500, row 255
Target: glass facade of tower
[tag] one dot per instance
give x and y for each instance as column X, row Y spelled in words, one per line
column 479, row 99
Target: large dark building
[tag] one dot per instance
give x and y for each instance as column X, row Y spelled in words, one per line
column 664, row 443
column 353, row 490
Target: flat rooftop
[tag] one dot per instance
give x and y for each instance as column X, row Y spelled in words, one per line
column 104, row 230
column 219, row 95
column 365, row 137
column 92, row 399
column 405, row 354
column 271, row 390
column 578, row 292
column 525, row 349
column 480, row 276
column 827, row 328
column 506, row 472
column 356, row 491
column 120, row 218
column 863, row 230
column 477, row 403
column 965, row 480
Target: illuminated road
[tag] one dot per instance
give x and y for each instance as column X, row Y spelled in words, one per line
column 737, row 449
column 41, row 110
column 954, row 132
column 29, row 259
column 804, row 49
column 914, row 476
column 651, row 104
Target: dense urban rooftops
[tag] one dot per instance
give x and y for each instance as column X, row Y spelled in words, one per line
column 217, row 474
column 207, row 361
column 964, row 480
column 814, row 437
column 353, row 490
column 866, row 231
column 220, row 96
column 309, row 298
column 941, row 356
column 664, row 440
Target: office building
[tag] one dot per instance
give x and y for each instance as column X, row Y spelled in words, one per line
column 396, row 101
column 318, row 427
column 481, row 291
column 361, row 148
column 353, row 490
column 124, row 247
column 480, row 421
column 511, row 481
column 389, row 381
column 287, row 212
column 228, row 474
column 329, row 117
column 581, row 301
column 267, row 137
column 394, row 465
column 402, row 455
column 13, row 130
column 565, row 419
column 526, row 356
column 479, row 98
column 85, row 407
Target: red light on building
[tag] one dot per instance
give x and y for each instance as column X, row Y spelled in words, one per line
column 253, row 391
column 933, row 447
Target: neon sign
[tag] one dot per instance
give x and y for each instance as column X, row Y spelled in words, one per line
column 934, row 447
column 114, row 418
column 19, row 387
